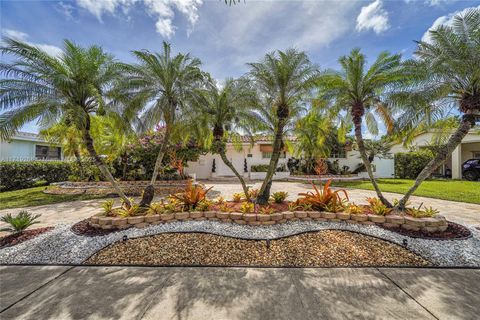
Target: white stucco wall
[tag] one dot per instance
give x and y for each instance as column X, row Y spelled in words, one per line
column 17, row 150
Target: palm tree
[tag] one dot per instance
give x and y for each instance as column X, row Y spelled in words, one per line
column 361, row 93
column 158, row 88
column 446, row 70
column 224, row 109
column 283, row 79
column 40, row 86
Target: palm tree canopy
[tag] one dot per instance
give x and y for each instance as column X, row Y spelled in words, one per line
column 39, row 86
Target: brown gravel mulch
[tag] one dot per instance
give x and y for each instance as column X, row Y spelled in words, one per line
column 327, row 248
column 83, row 228
column 14, row 239
column 454, row 231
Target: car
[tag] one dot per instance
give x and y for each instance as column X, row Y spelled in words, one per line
column 471, row 169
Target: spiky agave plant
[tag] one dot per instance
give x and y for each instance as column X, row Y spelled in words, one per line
column 20, row 222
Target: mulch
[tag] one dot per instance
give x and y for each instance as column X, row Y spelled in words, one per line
column 327, row 248
column 83, row 228
column 454, row 231
column 14, row 239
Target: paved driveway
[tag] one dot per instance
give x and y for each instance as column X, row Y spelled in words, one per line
column 29, row 292
column 69, row 212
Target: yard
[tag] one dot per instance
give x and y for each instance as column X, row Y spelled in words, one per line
column 454, row 190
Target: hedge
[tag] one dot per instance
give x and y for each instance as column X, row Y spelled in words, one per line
column 409, row 164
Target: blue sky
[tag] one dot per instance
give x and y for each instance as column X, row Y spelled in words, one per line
column 226, row 38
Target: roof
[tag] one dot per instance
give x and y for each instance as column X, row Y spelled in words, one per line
column 28, row 136
column 259, row 139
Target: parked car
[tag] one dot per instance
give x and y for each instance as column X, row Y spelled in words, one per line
column 471, row 169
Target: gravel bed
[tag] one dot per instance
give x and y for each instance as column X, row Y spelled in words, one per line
column 62, row 246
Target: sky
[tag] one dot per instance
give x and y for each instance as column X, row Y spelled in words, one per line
column 226, row 37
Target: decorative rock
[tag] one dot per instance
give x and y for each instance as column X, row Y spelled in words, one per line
column 135, row 220
column 376, row 219
column 394, row 219
column 213, row 219
column 167, row 216
column 352, row 222
column 140, row 225
column 391, row 225
column 288, row 215
column 336, row 220
column 410, row 227
column 250, row 217
column 320, row 219
column 430, row 229
column 182, row 215
column 368, row 223
column 196, row 214
column 107, row 226
column 157, row 222
column 240, row 221
column 209, row 214
column 282, row 221
column 152, row 218
column 417, row 222
column 277, row 216
column 442, row 228
column 314, row 214
column 329, row 215
column 119, row 221
column 226, row 220
column 200, row 219
column 306, row 219
column 359, row 217
column 343, row 215
column 95, row 225
column 254, row 223
column 263, row 217
column 301, row 214
column 268, row 223
column 94, row 219
column 223, row 215
column 104, row 220
column 236, row 215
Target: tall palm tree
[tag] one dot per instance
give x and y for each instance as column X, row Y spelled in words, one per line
column 446, row 74
column 223, row 110
column 360, row 91
column 158, row 88
column 40, row 86
column 283, row 79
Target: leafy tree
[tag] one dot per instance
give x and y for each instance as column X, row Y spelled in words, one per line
column 158, row 89
column 360, row 91
column 49, row 88
column 444, row 74
column 283, row 79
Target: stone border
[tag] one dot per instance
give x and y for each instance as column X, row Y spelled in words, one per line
column 437, row 223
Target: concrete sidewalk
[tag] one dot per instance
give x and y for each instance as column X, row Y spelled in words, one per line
column 28, row 292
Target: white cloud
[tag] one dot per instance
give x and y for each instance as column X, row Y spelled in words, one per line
column 66, row 9
column 19, row 35
column 443, row 20
column 162, row 10
column 432, row 3
column 373, row 17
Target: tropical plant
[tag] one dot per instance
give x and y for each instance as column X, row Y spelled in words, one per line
column 204, row 205
column 336, row 206
column 191, row 196
column 158, row 87
column 132, row 210
column 20, row 222
column 266, row 210
column 237, row 197
column 284, row 79
column 253, row 193
column 425, row 213
column 49, row 88
column 247, row 207
column 225, row 208
column 377, row 207
column 361, row 92
column 107, row 207
column 279, row 196
column 323, row 197
column 156, row 208
column 353, row 208
column 445, row 73
column 293, row 206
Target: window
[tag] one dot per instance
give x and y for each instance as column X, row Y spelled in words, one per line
column 338, row 154
column 476, row 154
column 47, row 153
column 268, row 155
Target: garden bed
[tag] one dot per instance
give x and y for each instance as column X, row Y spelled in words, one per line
column 15, row 239
column 454, row 231
column 328, row 248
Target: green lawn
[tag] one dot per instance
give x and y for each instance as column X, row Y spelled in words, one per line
column 35, row 197
column 455, row 190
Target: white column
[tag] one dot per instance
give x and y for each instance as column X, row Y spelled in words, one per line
column 457, row 162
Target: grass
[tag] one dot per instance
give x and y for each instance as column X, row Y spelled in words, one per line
column 454, row 190
column 35, row 197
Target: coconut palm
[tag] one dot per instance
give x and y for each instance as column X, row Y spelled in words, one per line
column 49, row 88
column 445, row 73
column 158, row 88
column 360, row 91
column 284, row 79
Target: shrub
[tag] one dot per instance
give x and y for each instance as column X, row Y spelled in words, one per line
column 408, row 165
column 107, row 207
column 377, row 207
column 237, row 197
column 20, row 222
column 320, row 199
column 280, row 196
column 129, row 212
column 426, row 213
column 352, row 208
column 191, row 196
column 253, row 193
column 259, row 168
column 204, row 205
column 156, row 208
column 247, row 207
column 266, row 210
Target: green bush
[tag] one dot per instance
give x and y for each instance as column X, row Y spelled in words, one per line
column 22, row 174
column 20, row 222
column 409, row 164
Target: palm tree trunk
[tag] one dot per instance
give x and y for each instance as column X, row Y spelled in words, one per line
column 76, row 153
column 220, row 149
column 467, row 122
column 357, row 113
column 100, row 164
column 124, row 165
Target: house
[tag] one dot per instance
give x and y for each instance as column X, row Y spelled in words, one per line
column 245, row 154
column 25, row 146
column 468, row 149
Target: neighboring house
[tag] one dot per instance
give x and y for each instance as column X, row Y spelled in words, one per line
column 260, row 153
column 468, row 149
column 26, row 146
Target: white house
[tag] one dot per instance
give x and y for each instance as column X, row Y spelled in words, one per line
column 468, row 149
column 26, row 146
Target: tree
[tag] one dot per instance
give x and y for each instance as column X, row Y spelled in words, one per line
column 361, row 92
column 444, row 74
column 48, row 88
column 283, row 79
column 158, row 88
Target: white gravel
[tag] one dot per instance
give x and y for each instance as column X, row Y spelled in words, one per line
column 62, row 246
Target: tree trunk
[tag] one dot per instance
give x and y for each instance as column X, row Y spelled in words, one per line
column 467, row 122
column 124, row 166
column 357, row 113
column 100, row 164
column 76, row 153
column 223, row 155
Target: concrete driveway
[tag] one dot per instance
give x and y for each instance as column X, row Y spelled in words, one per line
column 35, row 292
